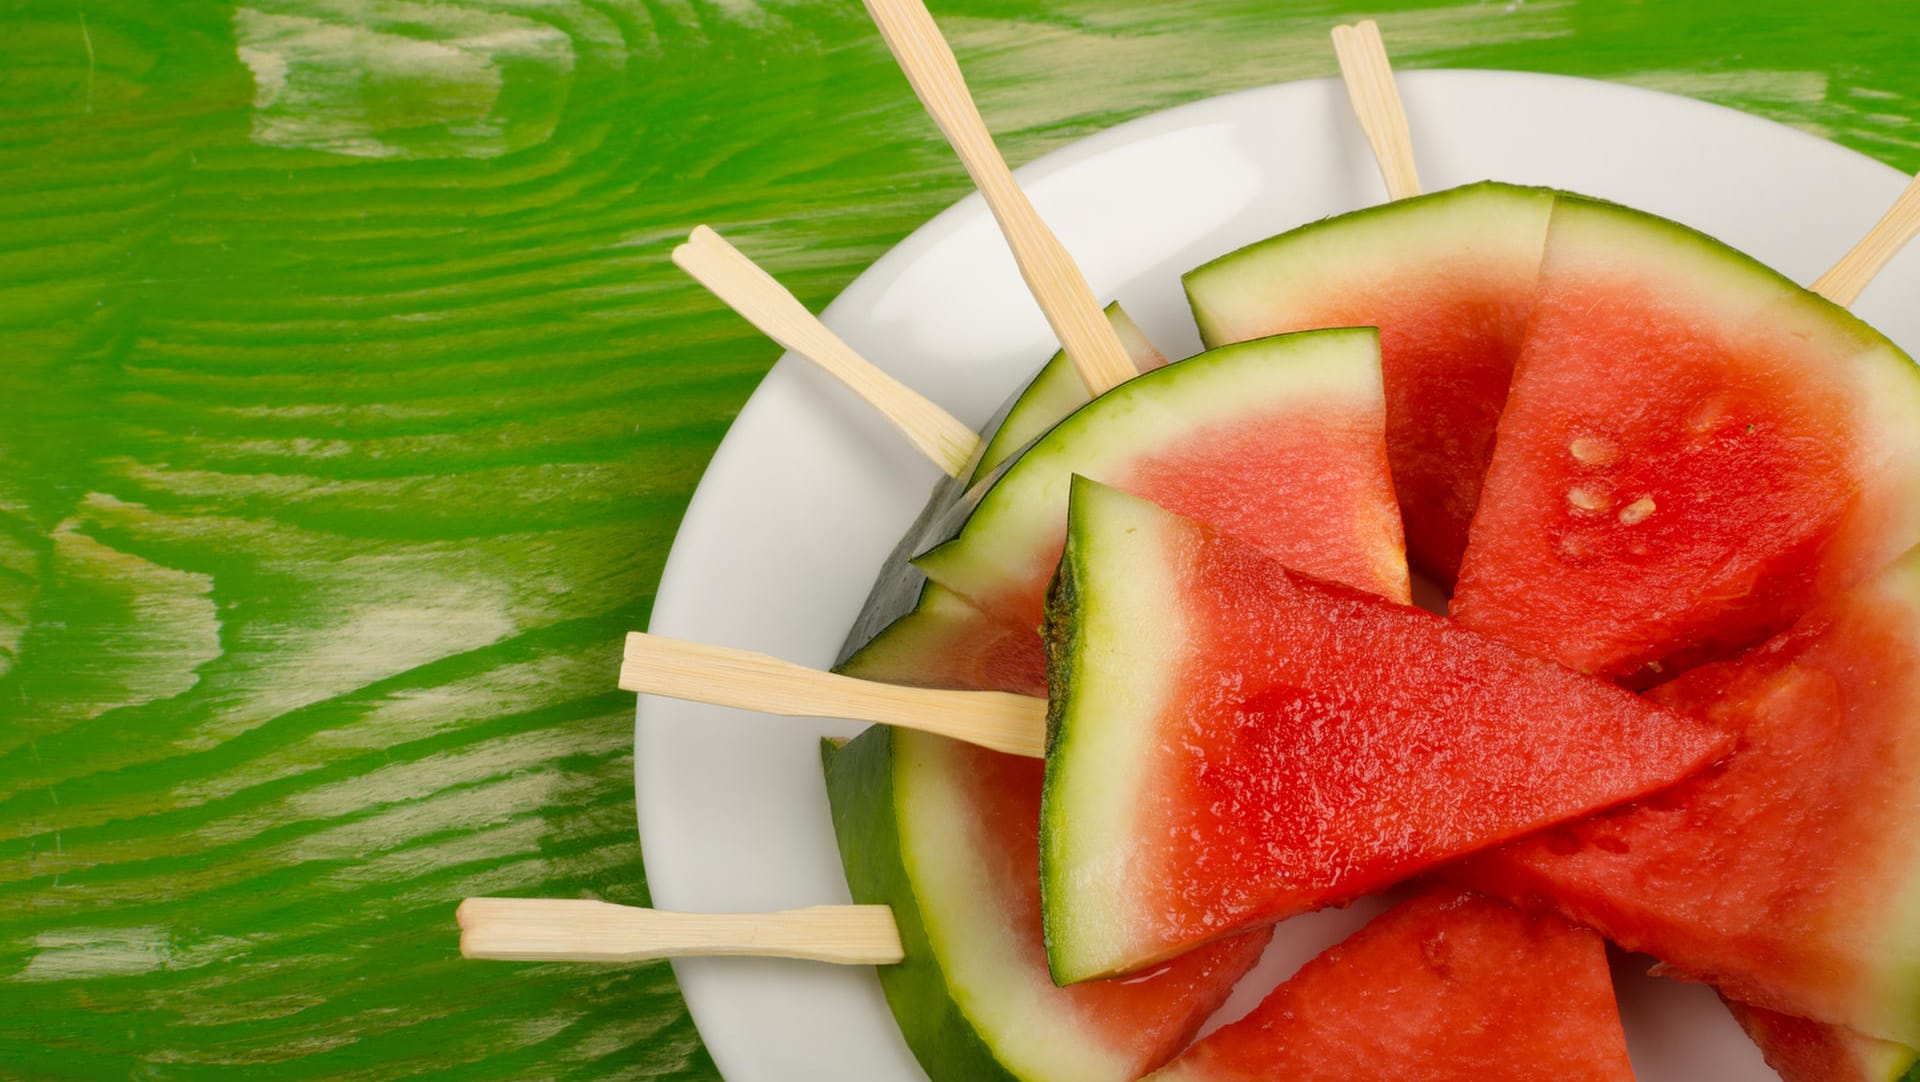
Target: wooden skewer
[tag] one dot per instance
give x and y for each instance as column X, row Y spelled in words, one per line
column 724, row 676
column 1051, row 274
column 1376, row 101
column 1901, row 223
column 578, row 930
column 769, row 306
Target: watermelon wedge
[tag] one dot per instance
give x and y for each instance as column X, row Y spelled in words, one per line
column 1806, row 1051
column 1280, row 438
column 1789, row 876
column 1445, row 986
column 1449, row 279
column 947, row 834
column 1278, row 441
column 1231, row 742
column 1693, row 450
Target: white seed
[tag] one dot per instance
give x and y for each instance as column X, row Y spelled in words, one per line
column 1708, row 415
column 1587, row 499
column 1591, row 451
column 1637, row 511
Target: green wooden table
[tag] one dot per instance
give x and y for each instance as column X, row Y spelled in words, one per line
column 350, row 403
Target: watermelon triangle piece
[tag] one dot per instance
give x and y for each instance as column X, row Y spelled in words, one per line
column 1789, row 875
column 1802, row 1050
column 1449, row 278
column 1694, row 449
column 1447, row 986
column 1231, row 742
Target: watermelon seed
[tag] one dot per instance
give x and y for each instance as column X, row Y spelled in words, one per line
column 1589, row 451
column 1637, row 511
column 1587, row 499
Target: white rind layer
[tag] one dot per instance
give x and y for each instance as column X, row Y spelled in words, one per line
column 1124, row 613
column 1488, row 234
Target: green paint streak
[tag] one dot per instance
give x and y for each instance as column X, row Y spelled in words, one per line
column 351, row 404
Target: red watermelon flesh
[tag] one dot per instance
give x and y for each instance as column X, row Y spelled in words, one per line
column 1449, row 279
column 1693, row 450
column 1801, row 1050
column 1446, row 986
column 1789, row 876
column 1232, row 743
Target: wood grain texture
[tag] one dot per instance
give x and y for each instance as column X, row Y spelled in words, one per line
column 351, row 403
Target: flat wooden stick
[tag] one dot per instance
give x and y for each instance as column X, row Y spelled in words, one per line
column 578, row 930
column 1376, row 101
column 769, row 306
column 724, row 676
column 1050, row 271
column 1842, row 284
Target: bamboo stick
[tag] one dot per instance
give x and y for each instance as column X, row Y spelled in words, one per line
column 1376, row 101
column 768, row 305
column 1050, row 272
column 577, row 930
column 1844, row 282
column 724, row 676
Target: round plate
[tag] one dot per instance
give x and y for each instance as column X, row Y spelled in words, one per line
column 809, row 491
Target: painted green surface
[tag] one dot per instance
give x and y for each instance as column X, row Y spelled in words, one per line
column 348, row 405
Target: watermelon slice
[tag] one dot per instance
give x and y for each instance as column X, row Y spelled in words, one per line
column 1446, row 986
column 1693, row 450
column 1231, row 742
column 1278, row 441
column 1449, row 280
column 946, row 833
column 1790, row 875
column 1806, row 1051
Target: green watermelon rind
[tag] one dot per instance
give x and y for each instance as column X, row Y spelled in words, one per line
column 1028, row 502
column 861, row 792
column 1256, row 268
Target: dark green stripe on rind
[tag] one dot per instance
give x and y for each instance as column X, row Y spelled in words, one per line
column 1231, row 264
column 860, row 788
column 1065, row 614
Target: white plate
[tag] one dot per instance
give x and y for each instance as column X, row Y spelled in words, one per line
column 808, row 491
